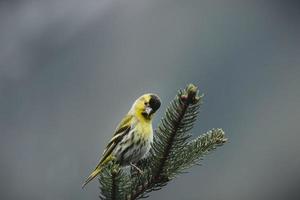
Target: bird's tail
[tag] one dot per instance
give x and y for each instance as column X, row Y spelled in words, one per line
column 92, row 175
column 98, row 169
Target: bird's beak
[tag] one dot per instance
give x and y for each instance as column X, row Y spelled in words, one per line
column 148, row 110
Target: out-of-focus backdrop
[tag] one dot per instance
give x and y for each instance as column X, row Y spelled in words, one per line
column 69, row 70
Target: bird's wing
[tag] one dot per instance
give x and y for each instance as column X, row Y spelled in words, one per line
column 124, row 124
column 122, row 129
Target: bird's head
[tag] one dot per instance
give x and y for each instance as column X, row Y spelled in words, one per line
column 146, row 105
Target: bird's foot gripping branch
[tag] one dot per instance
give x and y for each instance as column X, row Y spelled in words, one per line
column 172, row 151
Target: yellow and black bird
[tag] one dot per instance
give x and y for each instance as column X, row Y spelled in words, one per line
column 133, row 136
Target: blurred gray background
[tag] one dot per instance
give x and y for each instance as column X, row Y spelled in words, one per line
column 69, row 71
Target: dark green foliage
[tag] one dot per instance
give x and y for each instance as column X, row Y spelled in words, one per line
column 113, row 183
column 195, row 149
column 172, row 151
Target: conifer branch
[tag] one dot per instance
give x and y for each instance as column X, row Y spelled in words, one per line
column 186, row 99
column 196, row 149
column 172, row 151
column 113, row 183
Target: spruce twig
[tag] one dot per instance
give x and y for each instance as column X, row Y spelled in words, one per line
column 187, row 99
column 113, row 183
column 196, row 149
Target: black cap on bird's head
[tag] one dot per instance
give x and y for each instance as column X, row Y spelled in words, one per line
column 151, row 105
column 154, row 103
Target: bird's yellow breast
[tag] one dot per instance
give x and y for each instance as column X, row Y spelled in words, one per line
column 144, row 129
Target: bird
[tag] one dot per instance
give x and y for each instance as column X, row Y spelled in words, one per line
column 133, row 136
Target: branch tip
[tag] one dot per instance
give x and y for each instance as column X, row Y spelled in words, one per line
column 191, row 94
